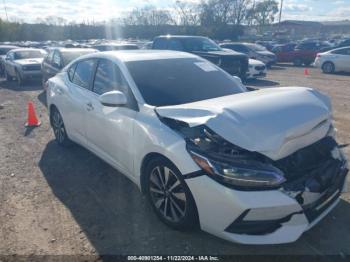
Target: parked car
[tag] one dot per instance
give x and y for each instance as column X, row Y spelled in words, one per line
column 3, row 51
column 336, row 60
column 24, row 64
column 344, row 43
column 59, row 57
column 253, row 51
column 257, row 167
column 257, row 69
column 301, row 54
column 232, row 62
column 112, row 47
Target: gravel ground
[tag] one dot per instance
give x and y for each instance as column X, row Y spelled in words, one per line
column 56, row 201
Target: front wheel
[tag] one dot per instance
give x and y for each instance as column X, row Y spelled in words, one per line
column 8, row 77
column 19, row 79
column 59, row 128
column 169, row 195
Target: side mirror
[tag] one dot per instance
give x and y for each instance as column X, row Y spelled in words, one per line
column 113, row 99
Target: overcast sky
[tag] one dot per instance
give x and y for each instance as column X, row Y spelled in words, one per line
column 102, row 10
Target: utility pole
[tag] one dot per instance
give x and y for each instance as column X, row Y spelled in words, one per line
column 280, row 16
column 4, row 3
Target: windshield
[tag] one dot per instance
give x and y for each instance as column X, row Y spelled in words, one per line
column 200, row 44
column 28, row 54
column 179, row 81
column 256, row 48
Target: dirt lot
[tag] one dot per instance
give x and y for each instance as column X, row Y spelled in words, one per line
column 57, row 201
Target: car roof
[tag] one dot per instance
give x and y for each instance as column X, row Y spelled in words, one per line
column 115, row 44
column 72, row 50
column 141, row 55
column 341, row 48
column 8, row 46
column 27, row 49
column 180, row 36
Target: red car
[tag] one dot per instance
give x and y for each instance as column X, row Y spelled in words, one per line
column 302, row 54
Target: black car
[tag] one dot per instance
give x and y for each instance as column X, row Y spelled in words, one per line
column 3, row 51
column 113, row 47
column 57, row 58
column 232, row 62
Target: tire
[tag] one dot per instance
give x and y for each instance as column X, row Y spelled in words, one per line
column 328, row 68
column 297, row 61
column 169, row 195
column 8, row 77
column 43, row 82
column 59, row 129
column 19, row 79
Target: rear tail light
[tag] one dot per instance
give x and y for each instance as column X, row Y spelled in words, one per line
column 318, row 55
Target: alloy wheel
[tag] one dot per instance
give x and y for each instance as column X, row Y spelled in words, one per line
column 167, row 194
column 58, row 127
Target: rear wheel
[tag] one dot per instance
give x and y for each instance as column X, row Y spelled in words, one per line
column 169, row 195
column 59, row 128
column 328, row 68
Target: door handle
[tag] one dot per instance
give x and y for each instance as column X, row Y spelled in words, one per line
column 89, row 106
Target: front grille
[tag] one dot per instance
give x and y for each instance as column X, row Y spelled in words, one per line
column 314, row 210
column 260, row 68
column 32, row 67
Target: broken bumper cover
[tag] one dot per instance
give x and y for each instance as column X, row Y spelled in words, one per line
column 258, row 217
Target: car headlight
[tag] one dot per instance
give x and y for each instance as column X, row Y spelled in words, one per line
column 244, row 175
column 225, row 162
column 24, row 67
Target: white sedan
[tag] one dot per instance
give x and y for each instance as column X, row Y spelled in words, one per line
column 256, row 69
column 255, row 167
column 337, row 60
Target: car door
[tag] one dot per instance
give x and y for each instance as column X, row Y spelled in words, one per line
column 77, row 101
column 45, row 68
column 56, row 64
column 9, row 65
column 342, row 59
column 110, row 129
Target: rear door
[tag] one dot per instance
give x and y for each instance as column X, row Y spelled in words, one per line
column 110, row 129
column 342, row 59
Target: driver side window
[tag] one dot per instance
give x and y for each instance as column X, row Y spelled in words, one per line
column 108, row 77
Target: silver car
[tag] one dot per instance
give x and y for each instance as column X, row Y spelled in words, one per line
column 23, row 64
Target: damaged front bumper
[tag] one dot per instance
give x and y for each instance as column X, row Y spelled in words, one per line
column 257, row 217
column 315, row 178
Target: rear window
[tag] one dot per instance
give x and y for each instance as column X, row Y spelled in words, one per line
column 181, row 80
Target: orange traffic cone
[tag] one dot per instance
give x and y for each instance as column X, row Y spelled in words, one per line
column 32, row 119
column 306, row 72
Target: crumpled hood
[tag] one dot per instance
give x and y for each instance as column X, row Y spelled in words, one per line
column 29, row 61
column 275, row 122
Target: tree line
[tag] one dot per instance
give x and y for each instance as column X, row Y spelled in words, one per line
column 219, row 19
